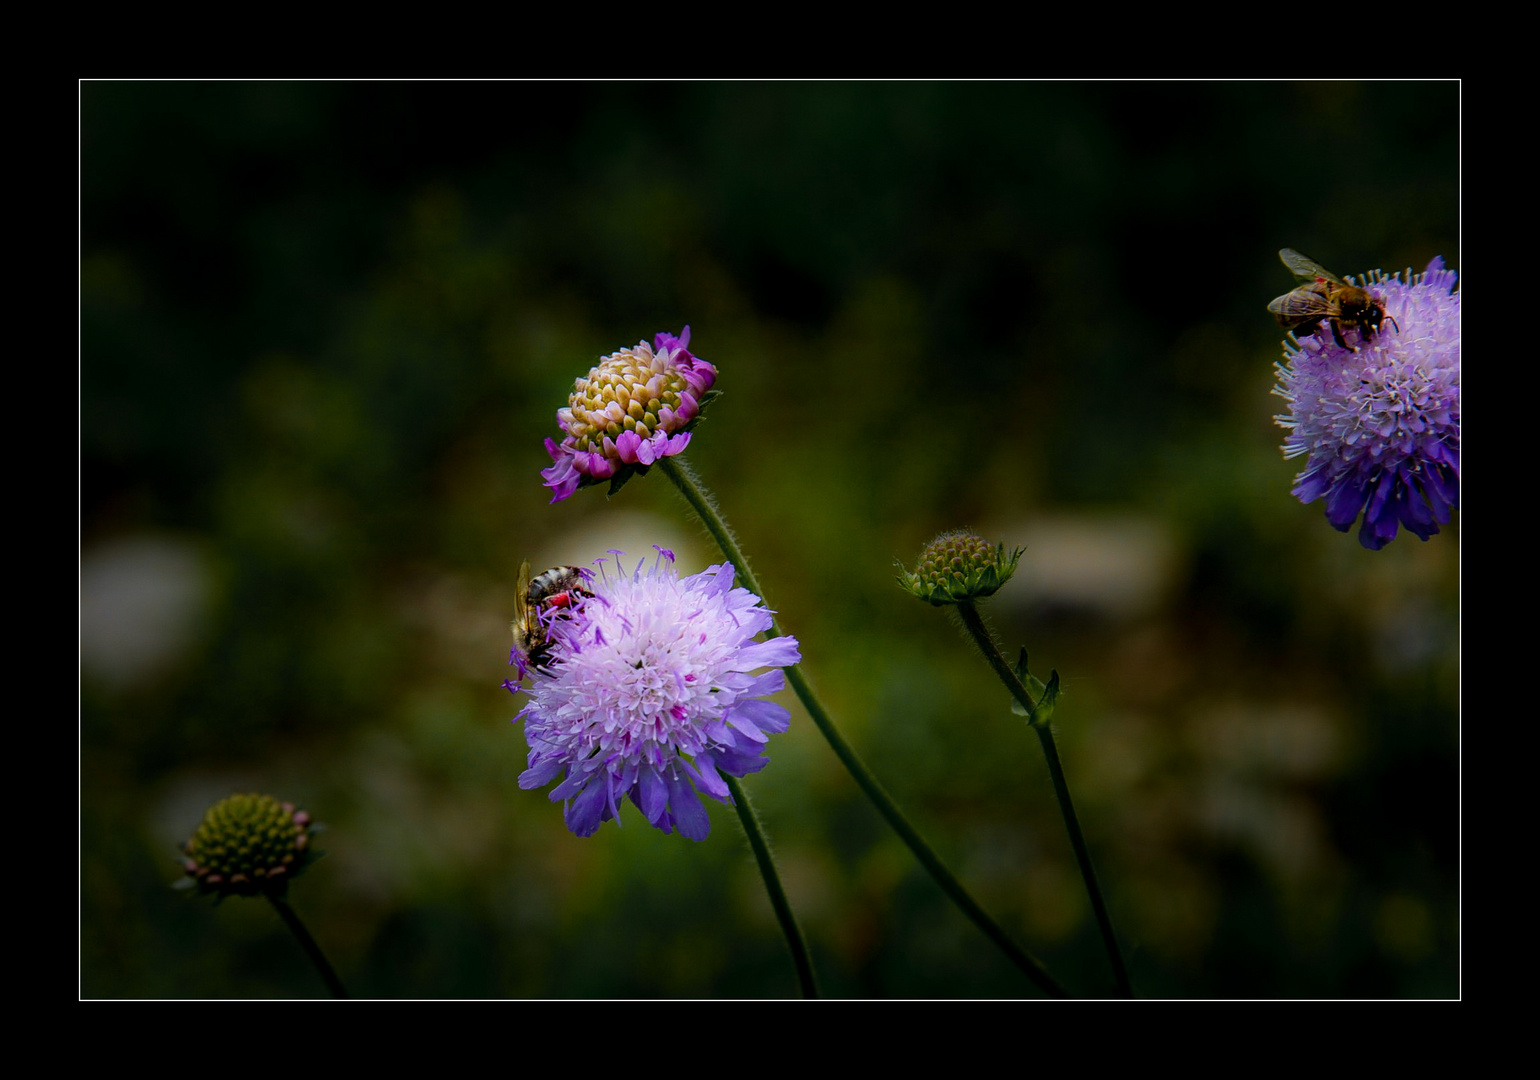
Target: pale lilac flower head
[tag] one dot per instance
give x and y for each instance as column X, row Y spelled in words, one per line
column 649, row 694
column 632, row 408
column 1381, row 425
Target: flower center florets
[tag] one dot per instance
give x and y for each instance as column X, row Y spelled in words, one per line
column 631, row 390
column 639, row 672
column 1381, row 412
column 948, row 559
column 248, row 843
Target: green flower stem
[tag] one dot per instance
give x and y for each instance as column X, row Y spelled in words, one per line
column 986, row 645
column 690, row 487
column 312, row 950
column 778, row 901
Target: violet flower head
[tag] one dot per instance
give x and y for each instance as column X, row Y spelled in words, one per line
column 648, row 693
column 632, row 408
column 1381, row 426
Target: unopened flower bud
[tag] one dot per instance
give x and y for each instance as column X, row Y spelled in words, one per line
column 248, row 844
column 959, row 566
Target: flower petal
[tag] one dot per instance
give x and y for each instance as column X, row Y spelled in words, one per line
column 626, row 446
column 777, row 652
column 764, row 715
column 539, row 775
column 583, row 814
column 653, row 798
column 707, row 780
column 689, row 815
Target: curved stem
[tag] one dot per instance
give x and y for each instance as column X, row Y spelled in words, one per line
column 1083, row 856
column 756, row 837
column 689, row 486
column 704, row 505
column 312, row 950
column 986, row 645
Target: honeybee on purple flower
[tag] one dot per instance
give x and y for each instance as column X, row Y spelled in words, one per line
column 1380, row 427
column 644, row 689
column 549, row 595
column 1326, row 296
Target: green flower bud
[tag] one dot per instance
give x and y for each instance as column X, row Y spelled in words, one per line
column 959, row 566
column 248, row 844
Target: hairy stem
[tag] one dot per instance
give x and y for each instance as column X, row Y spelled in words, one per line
column 761, row 847
column 690, row 487
column 312, row 950
column 986, row 645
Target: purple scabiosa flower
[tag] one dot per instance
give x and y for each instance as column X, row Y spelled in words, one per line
column 632, row 408
column 648, row 694
column 1381, row 425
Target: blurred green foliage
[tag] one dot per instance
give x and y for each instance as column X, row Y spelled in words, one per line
column 325, row 328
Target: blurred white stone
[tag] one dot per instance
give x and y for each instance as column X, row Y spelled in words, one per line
column 142, row 603
column 1114, row 567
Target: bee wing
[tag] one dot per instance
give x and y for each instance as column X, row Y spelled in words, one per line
column 1303, row 303
column 1308, row 269
column 521, row 599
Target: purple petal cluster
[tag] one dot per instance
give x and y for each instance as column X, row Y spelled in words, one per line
column 650, row 695
column 627, row 412
column 1381, row 426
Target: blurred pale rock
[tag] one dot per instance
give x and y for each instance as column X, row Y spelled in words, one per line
column 142, row 602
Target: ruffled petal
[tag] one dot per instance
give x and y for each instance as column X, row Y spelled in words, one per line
column 583, row 814
column 764, row 715
column 653, row 794
column 703, row 771
column 684, row 805
column 540, row 775
column 777, row 652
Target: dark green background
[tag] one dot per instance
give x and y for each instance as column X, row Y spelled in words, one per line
column 325, row 328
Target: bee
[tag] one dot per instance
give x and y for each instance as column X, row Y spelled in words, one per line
column 1326, row 296
column 539, row 600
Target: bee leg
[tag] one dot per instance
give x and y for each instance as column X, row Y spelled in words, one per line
column 1336, row 332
